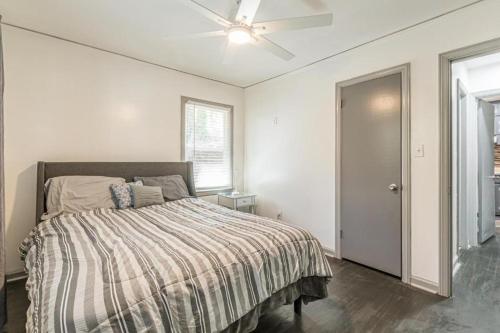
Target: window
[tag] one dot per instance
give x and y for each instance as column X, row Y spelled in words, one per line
column 207, row 141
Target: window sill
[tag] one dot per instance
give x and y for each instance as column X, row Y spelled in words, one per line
column 209, row 192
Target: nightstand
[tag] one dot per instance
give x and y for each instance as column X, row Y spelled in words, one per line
column 237, row 201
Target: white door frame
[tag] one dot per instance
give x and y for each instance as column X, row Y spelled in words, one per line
column 445, row 151
column 405, row 162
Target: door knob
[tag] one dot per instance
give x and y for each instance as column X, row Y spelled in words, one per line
column 393, row 187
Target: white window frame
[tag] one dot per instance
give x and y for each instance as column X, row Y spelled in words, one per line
column 230, row 108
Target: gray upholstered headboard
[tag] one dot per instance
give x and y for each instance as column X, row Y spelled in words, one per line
column 125, row 170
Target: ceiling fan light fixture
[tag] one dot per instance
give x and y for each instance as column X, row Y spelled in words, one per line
column 240, row 35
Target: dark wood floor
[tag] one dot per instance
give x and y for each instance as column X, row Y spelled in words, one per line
column 363, row 300
column 17, row 304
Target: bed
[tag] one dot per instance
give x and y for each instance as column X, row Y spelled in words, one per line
column 182, row 266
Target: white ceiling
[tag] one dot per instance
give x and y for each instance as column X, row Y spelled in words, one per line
column 140, row 29
column 479, row 62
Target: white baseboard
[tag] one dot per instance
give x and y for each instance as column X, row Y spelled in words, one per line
column 329, row 252
column 11, row 277
column 424, row 284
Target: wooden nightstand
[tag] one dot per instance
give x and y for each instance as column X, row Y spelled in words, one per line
column 237, row 201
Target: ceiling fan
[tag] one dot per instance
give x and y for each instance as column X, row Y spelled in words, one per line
column 241, row 28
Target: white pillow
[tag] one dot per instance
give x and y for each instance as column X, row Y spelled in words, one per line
column 73, row 194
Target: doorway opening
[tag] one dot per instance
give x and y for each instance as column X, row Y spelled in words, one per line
column 474, row 241
column 447, row 210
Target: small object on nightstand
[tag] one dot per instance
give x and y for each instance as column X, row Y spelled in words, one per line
column 237, row 200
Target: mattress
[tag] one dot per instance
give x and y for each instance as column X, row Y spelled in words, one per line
column 183, row 266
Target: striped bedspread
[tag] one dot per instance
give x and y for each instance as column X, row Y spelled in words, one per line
column 184, row 266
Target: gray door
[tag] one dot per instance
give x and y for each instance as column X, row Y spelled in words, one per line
column 486, row 148
column 370, row 199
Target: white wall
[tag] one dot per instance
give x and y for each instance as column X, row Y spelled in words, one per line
column 65, row 102
column 291, row 165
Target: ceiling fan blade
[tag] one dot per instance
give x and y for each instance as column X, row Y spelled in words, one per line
column 218, row 33
column 234, row 11
column 275, row 49
column 318, row 5
column 208, row 13
column 246, row 11
column 295, row 23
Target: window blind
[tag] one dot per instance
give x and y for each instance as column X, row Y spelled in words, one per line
column 208, row 143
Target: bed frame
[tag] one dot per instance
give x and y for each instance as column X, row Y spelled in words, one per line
column 127, row 170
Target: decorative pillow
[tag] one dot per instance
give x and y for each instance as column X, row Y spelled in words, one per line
column 121, row 194
column 173, row 187
column 73, row 194
column 146, row 196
